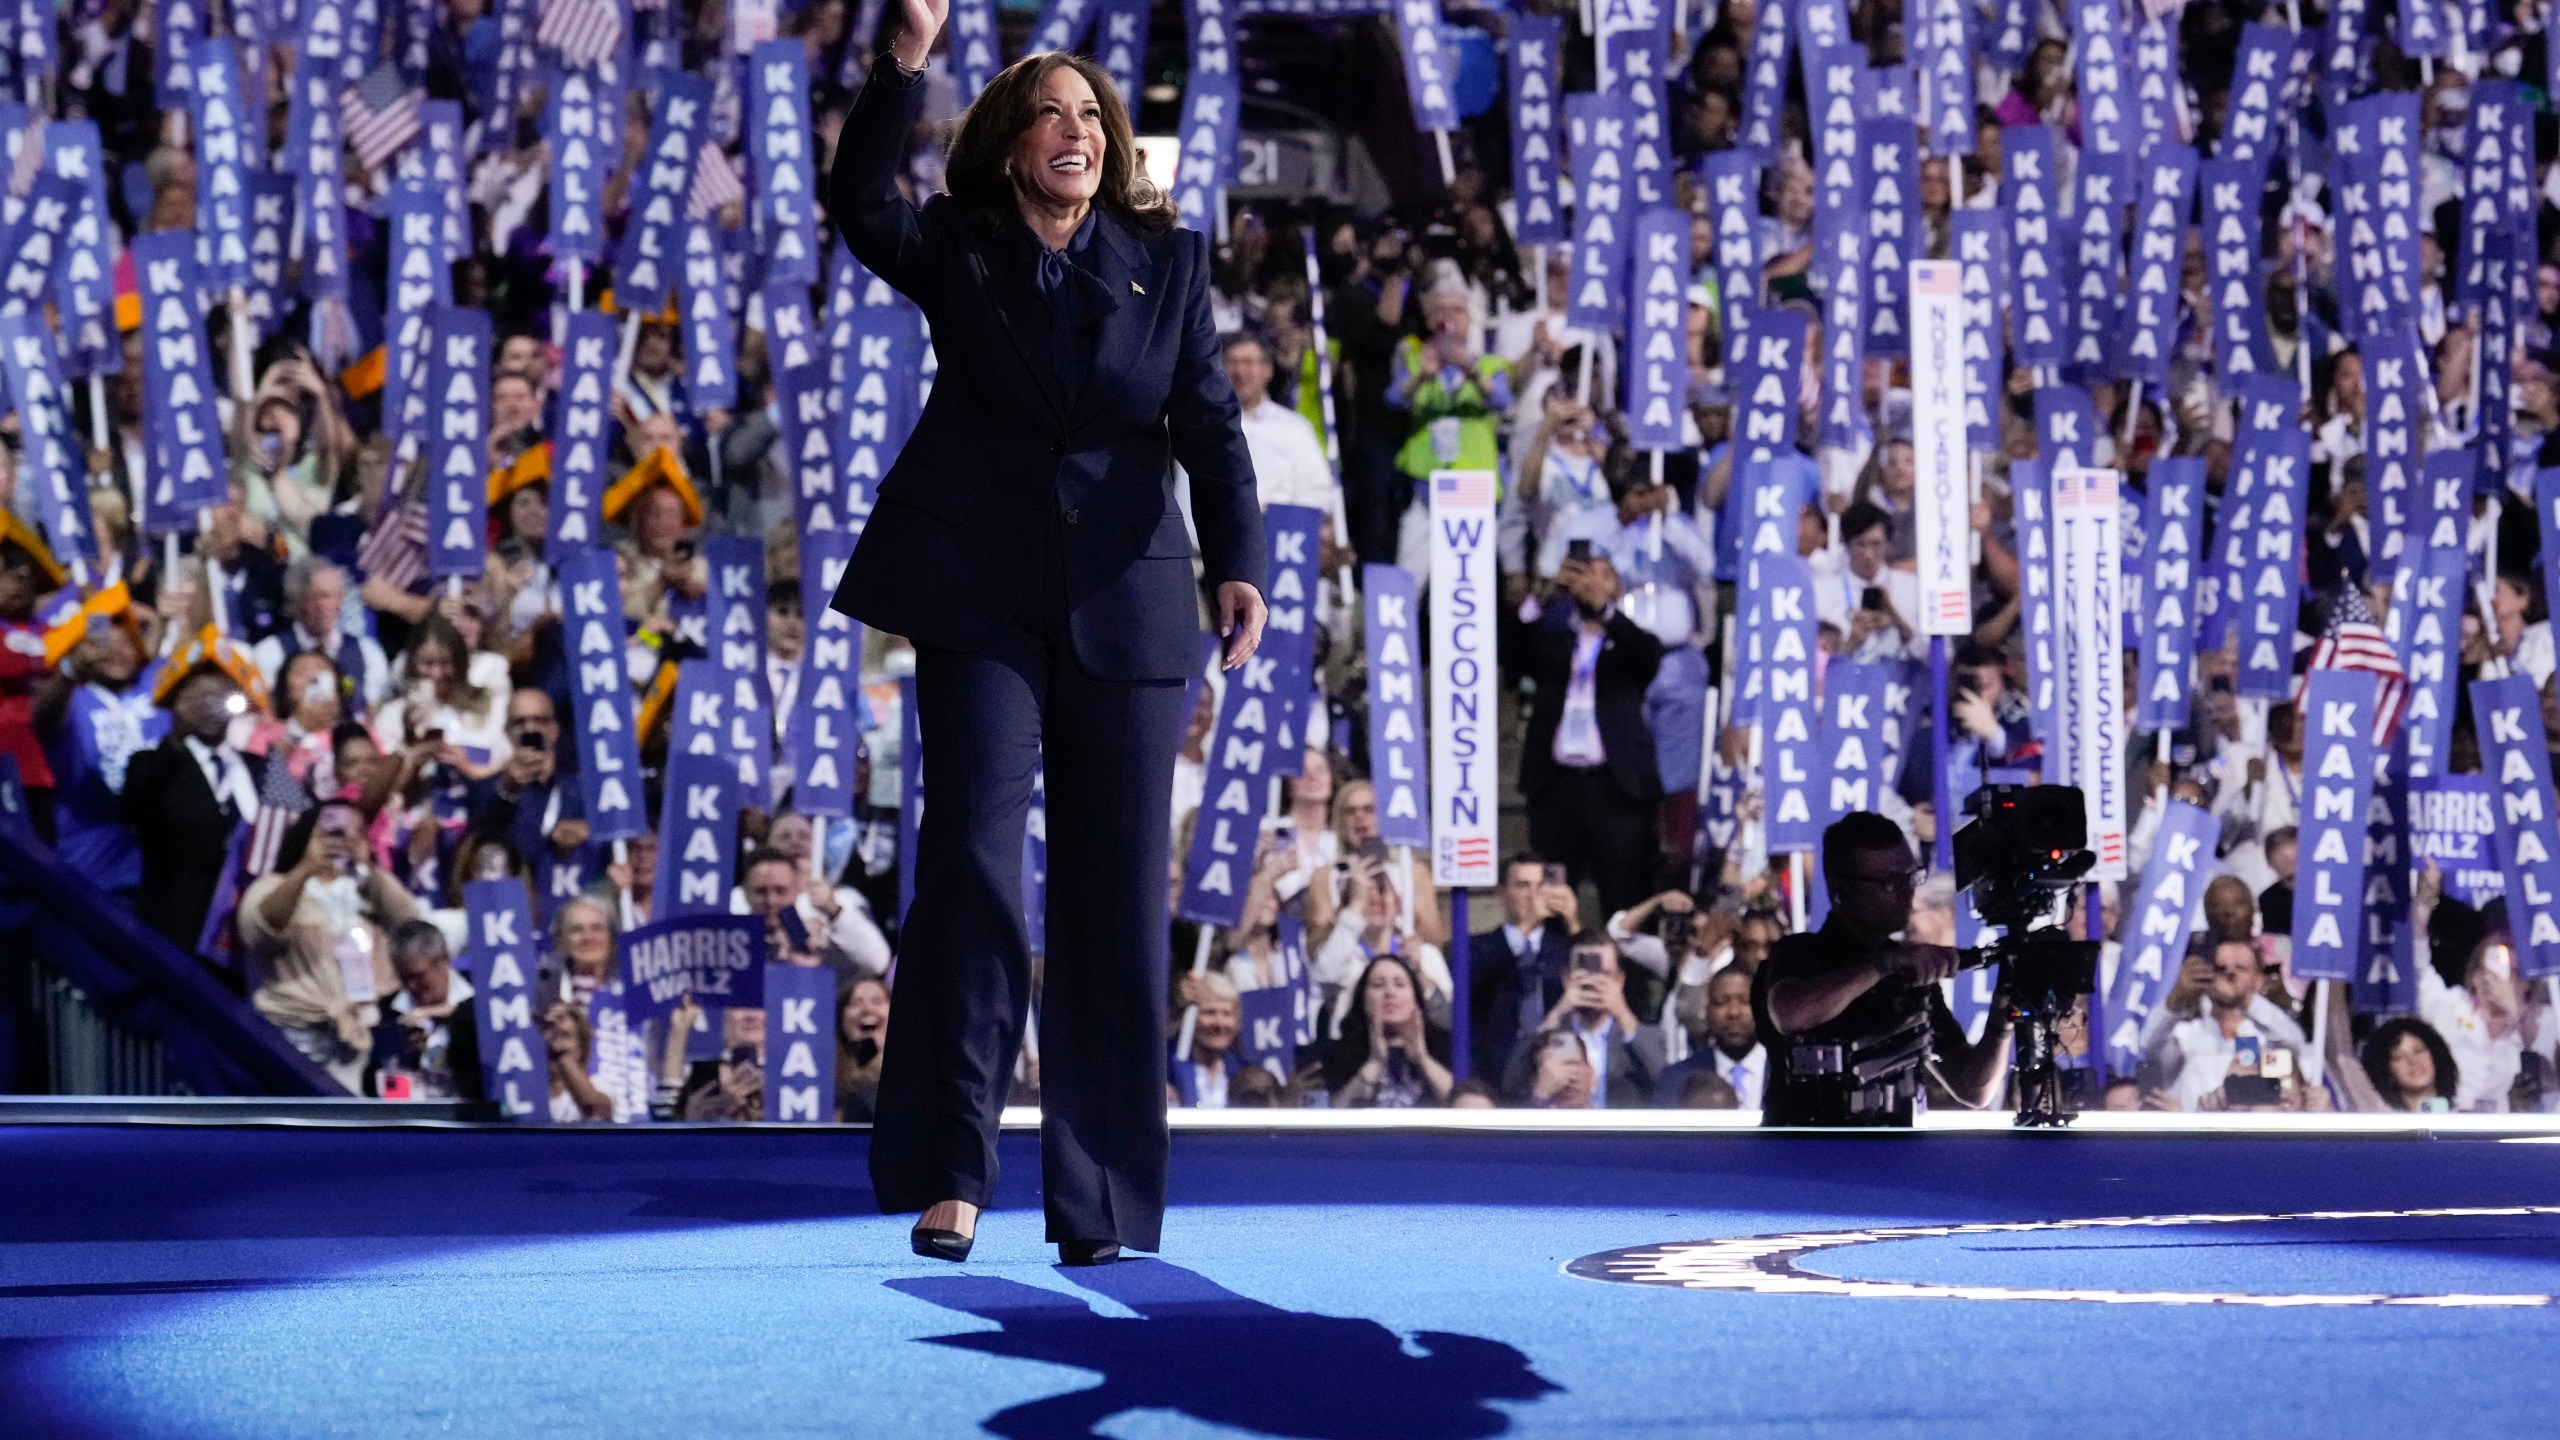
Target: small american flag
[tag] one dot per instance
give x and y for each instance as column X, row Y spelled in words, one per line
column 281, row 800
column 1472, row 851
column 715, row 183
column 394, row 551
column 583, row 31
column 1463, row 487
column 2352, row 641
column 381, row 117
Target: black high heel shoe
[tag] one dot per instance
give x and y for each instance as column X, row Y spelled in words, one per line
column 935, row 1244
column 1088, row 1252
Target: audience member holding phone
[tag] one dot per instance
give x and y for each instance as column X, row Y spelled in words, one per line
column 1591, row 1013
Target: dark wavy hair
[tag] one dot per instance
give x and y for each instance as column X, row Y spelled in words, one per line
column 2386, row 1038
column 975, row 170
column 1347, row 1052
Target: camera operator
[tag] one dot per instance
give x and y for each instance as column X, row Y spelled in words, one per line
column 1850, row 986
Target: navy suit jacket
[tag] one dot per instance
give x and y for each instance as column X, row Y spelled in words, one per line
column 963, row 520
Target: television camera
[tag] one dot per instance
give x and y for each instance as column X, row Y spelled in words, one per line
column 2022, row 851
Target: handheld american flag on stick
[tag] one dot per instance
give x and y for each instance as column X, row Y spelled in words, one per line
column 380, row 116
column 2353, row 641
column 715, row 183
column 583, row 31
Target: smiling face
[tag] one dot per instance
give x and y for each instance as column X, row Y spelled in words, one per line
column 1389, row 991
column 2413, row 1065
column 1057, row 160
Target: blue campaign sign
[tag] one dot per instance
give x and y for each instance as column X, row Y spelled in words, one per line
column 2097, row 265
column 270, row 239
column 1764, row 388
column 1942, row 54
column 2440, row 517
column 1119, row 46
column 799, row 1044
column 697, row 833
column 1244, row 757
column 2106, row 121
column 315, row 151
column 2040, row 608
column 1979, row 239
column 84, row 283
column 2258, row 85
column 1732, row 182
column 2337, row 791
column 2234, row 231
column 1399, row 758
column 1212, row 106
column 1895, row 236
column 2270, row 605
column 1535, row 63
column 2485, row 213
column 823, row 727
column 609, row 753
column 2394, row 408
column 1060, row 25
column 1657, row 365
column 2389, row 983
column 2165, row 910
column 718, row 960
column 436, row 157
column 36, row 243
column 874, row 389
column 189, row 468
column 51, row 461
column 1289, row 635
column 2161, row 201
column 809, row 446
column 710, row 329
column 975, row 54
column 1599, row 129
column 1269, row 1021
column 2506, row 263
column 2425, row 628
column 2156, row 87
column 1792, row 751
column 778, row 148
column 2453, row 822
column 583, row 126
column 2039, row 267
column 1429, row 67
column 502, row 953
column 225, row 155
column 419, row 282
column 176, row 27
column 581, row 437
column 2067, row 428
column 2507, row 714
column 1865, row 716
column 734, row 634
column 1764, row 85
column 2174, row 538
column 791, row 337
column 645, row 274
column 458, row 442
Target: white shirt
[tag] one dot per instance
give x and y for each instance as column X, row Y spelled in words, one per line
column 2196, row 1056
column 272, row 652
column 1749, row 1076
column 1839, row 593
column 1288, row 463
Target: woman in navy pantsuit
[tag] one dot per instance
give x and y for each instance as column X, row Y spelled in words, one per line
column 1028, row 542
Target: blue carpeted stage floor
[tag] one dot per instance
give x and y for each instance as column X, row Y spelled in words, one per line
column 301, row 1282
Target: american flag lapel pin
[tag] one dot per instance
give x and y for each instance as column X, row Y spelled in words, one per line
column 1137, row 289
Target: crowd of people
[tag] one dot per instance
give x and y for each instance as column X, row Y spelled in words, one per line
column 288, row 749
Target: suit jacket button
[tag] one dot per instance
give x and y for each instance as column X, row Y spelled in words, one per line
column 1069, row 517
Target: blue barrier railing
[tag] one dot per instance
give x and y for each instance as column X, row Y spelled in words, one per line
column 60, row 935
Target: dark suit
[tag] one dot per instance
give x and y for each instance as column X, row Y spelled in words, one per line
column 185, row 833
column 1027, row 540
column 1503, row 989
column 1597, row 821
